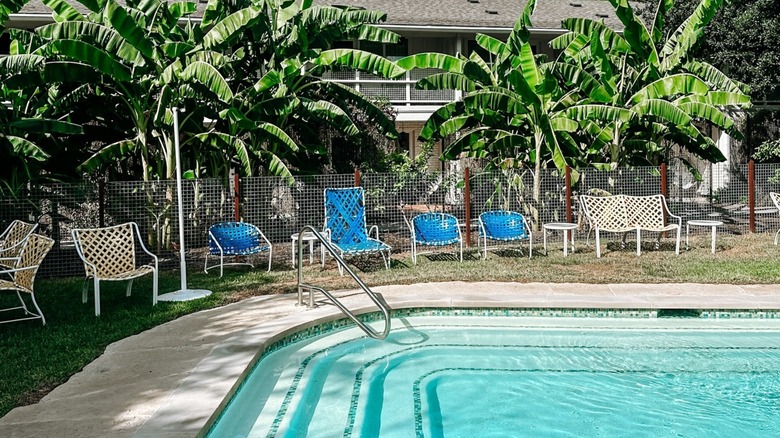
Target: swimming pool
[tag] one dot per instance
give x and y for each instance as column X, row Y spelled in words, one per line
column 500, row 376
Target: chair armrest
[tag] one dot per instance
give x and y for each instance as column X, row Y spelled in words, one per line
column 374, row 228
column 11, row 271
column 669, row 213
column 263, row 236
column 141, row 242
column 216, row 242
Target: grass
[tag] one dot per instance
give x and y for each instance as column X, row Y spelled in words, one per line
column 35, row 358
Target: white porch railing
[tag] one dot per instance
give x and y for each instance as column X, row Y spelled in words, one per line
column 400, row 92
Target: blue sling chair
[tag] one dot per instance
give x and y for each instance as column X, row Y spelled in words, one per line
column 504, row 226
column 236, row 239
column 345, row 226
column 435, row 229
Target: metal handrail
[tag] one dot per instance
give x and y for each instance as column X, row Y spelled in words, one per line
column 311, row 288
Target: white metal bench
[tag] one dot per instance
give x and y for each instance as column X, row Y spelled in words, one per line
column 624, row 213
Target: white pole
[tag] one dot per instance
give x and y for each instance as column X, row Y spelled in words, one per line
column 182, row 294
column 182, row 262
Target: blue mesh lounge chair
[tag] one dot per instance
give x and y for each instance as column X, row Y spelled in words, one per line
column 236, row 239
column 505, row 226
column 345, row 225
column 435, row 229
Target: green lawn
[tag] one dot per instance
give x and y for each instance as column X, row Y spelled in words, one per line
column 37, row 358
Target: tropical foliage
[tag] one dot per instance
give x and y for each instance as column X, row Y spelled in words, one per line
column 659, row 95
column 247, row 77
column 608, row 100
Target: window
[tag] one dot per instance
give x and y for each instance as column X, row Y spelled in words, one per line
column 392, row 52
column 403, row 142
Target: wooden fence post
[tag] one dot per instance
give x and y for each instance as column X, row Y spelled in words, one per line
column 567, row 180
column 752, row 195
column 664, row 187
column 357, row 178
column 467, row 196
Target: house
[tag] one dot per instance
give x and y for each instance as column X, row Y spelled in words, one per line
column 450, row 26
column 444, row 26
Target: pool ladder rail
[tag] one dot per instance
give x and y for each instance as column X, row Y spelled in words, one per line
column 311, row 288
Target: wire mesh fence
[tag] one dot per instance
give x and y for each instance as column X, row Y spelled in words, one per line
column 281, row 207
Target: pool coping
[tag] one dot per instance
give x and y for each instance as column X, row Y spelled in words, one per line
column 140, row 384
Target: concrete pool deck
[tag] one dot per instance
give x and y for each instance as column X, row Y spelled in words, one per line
column 135, row 388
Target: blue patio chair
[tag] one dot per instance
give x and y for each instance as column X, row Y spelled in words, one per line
column 435, row 229
column 345, row 225
column 505, row 226
column 236, row 239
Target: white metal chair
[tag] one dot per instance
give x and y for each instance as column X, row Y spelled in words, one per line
column 23, row 273
column 776, row 200
column 110, row 254
column 12, row 241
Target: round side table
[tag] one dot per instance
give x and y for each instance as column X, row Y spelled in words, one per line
column 702, row 223
column 566, row 227
column 307, row 237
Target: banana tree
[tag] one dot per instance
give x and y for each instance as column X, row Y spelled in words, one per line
column 281, row 101
column 30, row 146
column 513, row 112
column 658, row 95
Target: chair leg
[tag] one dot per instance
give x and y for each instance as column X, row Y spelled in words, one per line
column 414, row 253
column 638, row 242
column 598, row 244
column 221, row 264
column 84, row 290
column 35, row 303
column 97, row 297
column 461, row 251
column 677, row 246
column 776, row 236
column 206, row 264
column 24, row 306
column 530, row 247
column 154, row 287
column 129, row 287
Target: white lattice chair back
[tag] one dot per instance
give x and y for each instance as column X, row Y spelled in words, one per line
column 607, row 212
column 646, row 212
column 108, row 252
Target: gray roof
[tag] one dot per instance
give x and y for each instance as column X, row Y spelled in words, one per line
column 464, row 13
column 447, row 13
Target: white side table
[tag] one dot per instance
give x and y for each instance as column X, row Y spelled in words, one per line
column 566, row 227
column 307, row 237
column 702, row 223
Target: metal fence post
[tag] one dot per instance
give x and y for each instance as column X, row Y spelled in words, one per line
column 357, row 177
column 467, row 200
column 752, row 195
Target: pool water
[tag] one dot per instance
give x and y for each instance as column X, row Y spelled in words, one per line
column 510, row 377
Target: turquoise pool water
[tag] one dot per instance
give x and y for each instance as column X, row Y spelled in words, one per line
column 510, row 377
